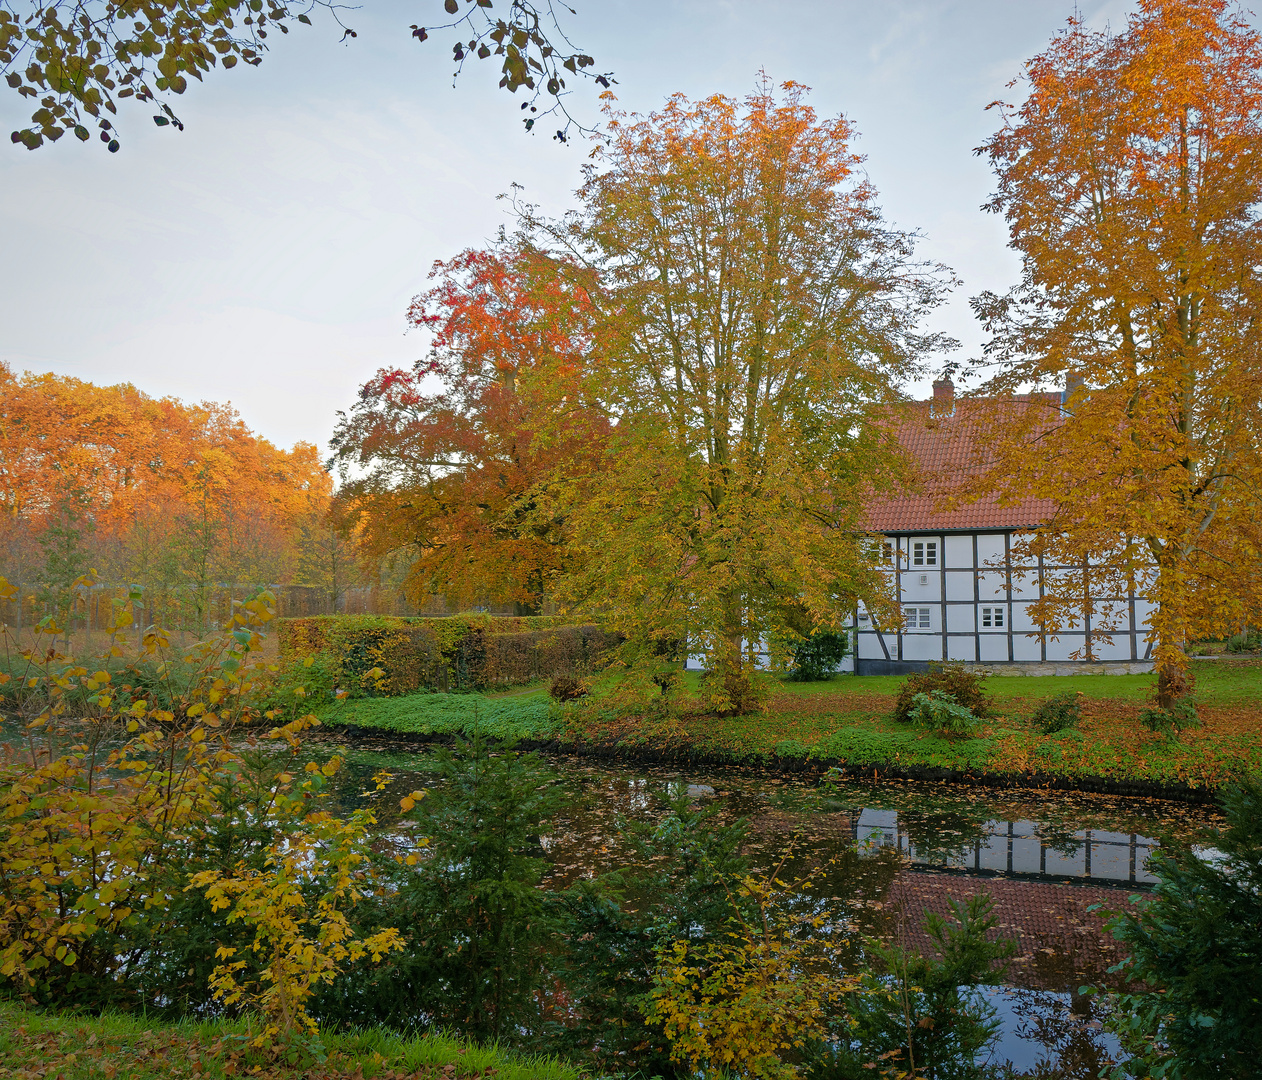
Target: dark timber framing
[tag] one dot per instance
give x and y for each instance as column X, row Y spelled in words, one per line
column 874, row 653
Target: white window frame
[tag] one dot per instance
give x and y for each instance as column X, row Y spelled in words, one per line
column 994, row 618
column 917, row 618
column 924, row 553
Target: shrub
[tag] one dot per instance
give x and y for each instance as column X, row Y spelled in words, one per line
column 939, row 711
column 520, row 658
column 1058, row 713
column 818, row 657
column 1182, row 714
column 920, row 1018
column 1196, row 950
column 479, row 927
column 964, row 685
column 130, row 824
column 1246, row 641
column 390, row 656
column 566, row 688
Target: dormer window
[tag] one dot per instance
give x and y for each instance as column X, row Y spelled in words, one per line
column 924, row 553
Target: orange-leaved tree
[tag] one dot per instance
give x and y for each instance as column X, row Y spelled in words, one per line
column 144, row 489
column 443, row 465
column 1131, row 180
column 755, row 316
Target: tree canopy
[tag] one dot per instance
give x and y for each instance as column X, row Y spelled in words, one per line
column 146, row 489
column 1131, row 181
column 444, row 466
column 755, row 313
column 75, row 61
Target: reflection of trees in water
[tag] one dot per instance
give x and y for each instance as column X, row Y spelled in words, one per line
column 1068, row 1032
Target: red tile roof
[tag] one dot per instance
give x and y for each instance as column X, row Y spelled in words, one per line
column 946, row 449
column 1060, row 943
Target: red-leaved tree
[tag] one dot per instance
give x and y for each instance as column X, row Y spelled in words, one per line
column 443, row 466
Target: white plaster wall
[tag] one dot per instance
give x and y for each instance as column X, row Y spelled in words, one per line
column 991, row 586
column 1027, row 587
column 961, row 619
column 1067, row 643
column 990, row 548
column 961, row 648
column 993, row 648
column 870, row 647
column 1143, row 613
column 959, row 585
column 922, row 647
column 959, row 551
column 1111, row 647
column 1026, row 648
column 930, row 591
column 1021, row 620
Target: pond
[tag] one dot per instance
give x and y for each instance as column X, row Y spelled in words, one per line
column 881, row 854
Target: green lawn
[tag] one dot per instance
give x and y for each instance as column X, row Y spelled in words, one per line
column 847, row 720
column 118, row 1047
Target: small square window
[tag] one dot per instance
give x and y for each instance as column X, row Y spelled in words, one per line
column 992, row 617
column 924, row 553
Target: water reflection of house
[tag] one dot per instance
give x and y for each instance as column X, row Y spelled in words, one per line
column 1021, row 848
column 1059, row 930
column 1043, row 885
column 963, row 596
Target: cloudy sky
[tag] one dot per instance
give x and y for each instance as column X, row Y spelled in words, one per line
column 266, row 255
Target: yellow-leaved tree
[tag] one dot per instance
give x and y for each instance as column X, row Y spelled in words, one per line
column 1131, row 180
column 755, row 316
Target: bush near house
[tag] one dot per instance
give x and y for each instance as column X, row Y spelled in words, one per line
column 1058, row 712
column 965, row 687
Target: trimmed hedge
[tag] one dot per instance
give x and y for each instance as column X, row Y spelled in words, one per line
column 516, row 659
column 457, row 653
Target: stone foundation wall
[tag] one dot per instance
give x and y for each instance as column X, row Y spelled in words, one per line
column 1067, row 667
column 1031, row 667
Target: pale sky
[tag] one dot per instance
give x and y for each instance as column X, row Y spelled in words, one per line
column 266, row 255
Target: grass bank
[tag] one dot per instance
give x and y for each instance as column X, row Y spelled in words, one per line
column 847, row 722
column 119, row 1047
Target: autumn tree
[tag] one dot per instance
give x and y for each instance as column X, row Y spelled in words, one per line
column 1131, row 181
column 144, row 490
column 327, row 557
column 442, row 466
column 76, row 61
column 755, row 316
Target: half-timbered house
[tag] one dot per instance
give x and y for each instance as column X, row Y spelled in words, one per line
column 962, row 595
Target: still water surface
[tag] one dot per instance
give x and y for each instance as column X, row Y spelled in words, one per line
column 883, row 854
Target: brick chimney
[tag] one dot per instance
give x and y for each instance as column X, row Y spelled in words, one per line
column 943, row 403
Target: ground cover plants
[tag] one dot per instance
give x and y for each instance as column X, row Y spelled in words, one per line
column 1071, row 727
column 511, row 718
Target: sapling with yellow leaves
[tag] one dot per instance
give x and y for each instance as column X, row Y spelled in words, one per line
column 125, row 786
column 302, row 940
column 751, row 1000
